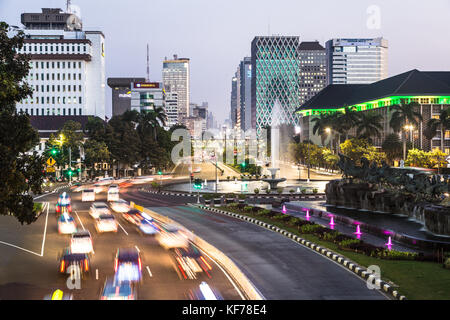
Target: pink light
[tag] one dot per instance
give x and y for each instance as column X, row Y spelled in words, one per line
column 332, row 222
column 358, row 231
column 389, row 244
column 284, row 209
column 307, row 215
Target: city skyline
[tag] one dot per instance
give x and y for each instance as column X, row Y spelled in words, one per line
column 201, row 34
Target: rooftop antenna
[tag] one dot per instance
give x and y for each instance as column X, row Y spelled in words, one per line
column 148, row 65
column 68, row 6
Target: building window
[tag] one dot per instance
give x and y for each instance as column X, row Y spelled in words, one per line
column 68, row 76
column 64, row 88
column 68, row 88
column 42, row 111
column 53, row 100
column 74, row 65
column 79, row 88
column 48, row 76
column 79, row 111
column 58, row 88
column 48, row 111
column 79, row 100
column 58, row 76
column 53, row 76
column 37, row 112
column 64, row 76
column 58, row 65
column 74, row 112
column 74, row 88
column 42, row 65
column 69, row 111
column 53, row 65
column 64, row 111
column 63, row 65
column 48, row 65
column 79, row 76
column 42, row 100
column 79, row 65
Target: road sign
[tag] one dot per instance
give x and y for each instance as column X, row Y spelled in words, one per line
column 57, row 295
column 51, row 162
column 51, row 169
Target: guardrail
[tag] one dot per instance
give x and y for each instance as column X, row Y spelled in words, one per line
column 226, row 263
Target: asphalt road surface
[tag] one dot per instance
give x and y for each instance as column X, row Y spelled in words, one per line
column 29, row 266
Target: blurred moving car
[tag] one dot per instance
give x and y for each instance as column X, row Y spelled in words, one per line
column 81, row 242
column 106, row 223
column 64, row 201
column 88, row 195
column 80, row 260
column 148, row 227
column 204, row 292
column 191, row 262
column 98, row 208
column 113, row 193
column 128, row 265
column 172, row 237
column 141, row 179
column 102, row 181
column 66, row 224
column 133, row 216
column 120, row 206
column 118, row 290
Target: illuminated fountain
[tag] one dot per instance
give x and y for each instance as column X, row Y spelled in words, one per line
column 389, row 243
column 307, row 215
column 358, row 231
column 274, row 147
column 332, row 224
column 284, row 209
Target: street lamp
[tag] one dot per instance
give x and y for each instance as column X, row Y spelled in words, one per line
column 409, row 127
column 328, row 131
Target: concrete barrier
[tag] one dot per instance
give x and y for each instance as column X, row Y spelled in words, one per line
column 245, row 285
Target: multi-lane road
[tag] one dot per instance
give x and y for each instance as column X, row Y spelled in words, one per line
column 278, row 267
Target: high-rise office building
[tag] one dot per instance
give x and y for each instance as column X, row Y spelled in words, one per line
column 67, row 72
column 147, row 96
column 357, row 61
column 244, row 94
column 313, row 72
column 171, row 108
column 275, row 80
column 175, row 77
column 234, row 104
column 121, row 93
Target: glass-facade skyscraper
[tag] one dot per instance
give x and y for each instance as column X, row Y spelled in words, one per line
column 275, row 77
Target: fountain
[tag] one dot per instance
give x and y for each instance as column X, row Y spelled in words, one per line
column 332, row 224
column 389, row 243
column 307, row 215
column 358, row 231
column 284, row 209
column 274, row 147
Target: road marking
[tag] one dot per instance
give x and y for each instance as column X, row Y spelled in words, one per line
column 137, row 248
column 79, row 220
column 122, row 228
column 45, row 231
column 11, row 245
column 96, row 274
column 226, row 274
column 149, row 272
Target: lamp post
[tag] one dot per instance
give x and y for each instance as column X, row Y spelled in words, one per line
column 328, row 131
column 410, row 128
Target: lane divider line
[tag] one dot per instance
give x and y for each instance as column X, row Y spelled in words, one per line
column 96, row 274
column 14, row 246
column 149, row 272
column 122, row 228
column 80, row 220
column 137, row 249
column 45, row 231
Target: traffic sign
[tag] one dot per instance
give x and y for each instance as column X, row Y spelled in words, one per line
column 57, row 295
column 51, row 169
column 51, row 162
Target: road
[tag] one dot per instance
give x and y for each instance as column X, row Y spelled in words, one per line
column 25, row 274
column 278, row 267
column 207, row 171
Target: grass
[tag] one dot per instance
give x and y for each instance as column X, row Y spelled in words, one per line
column 417, row 280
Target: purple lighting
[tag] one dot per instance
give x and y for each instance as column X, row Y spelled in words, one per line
column 307, row 215
column 358, row 231
column 332, row 222
column 284, row 209
column 389, row 243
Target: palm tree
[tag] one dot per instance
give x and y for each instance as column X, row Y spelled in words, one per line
column 443, row 123
column 321, row 123
column 403, row 114
column 369, row 125
column 349, row 119
column 153, row 119
column 392, row 147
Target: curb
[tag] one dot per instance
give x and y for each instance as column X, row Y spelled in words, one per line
column 171, row 193
column 355, row 268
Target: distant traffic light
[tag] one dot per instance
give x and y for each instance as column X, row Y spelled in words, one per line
column 70, row 172
column 197, row 184
column 159, row 172
column 54, row 151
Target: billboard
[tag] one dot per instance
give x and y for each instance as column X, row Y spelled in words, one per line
column 144, row 85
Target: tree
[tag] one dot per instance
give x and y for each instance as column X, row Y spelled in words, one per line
column 392, row 146
column 403, row 114
column 369, row 125
column 355, row 149
column 442, row 123
column 349, row 119
column 21, row 170
column 95, row 152
column 321, row 123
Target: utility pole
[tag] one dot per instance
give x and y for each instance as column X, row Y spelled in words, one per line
column 148, row 65
column 309, row 162
column 70, row 166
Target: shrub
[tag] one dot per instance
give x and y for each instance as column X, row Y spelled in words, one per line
column 330, row 236
column 256, row 191
column 280, row 190
column 315, row 190
column 282, row 217
column 233, row 205
column 247, row 208
column 396, row 255
column 241, row 206
column 291, row 191
column 268, row 191
column 310, row 228
column 228, row 178
column 256, row 209
column 303, row 191
column 349, row 242
column 447, row 263
column 264, row 212
column 242, row 196
column 341, row 237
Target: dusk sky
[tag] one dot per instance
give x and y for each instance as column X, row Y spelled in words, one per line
column 216, row 35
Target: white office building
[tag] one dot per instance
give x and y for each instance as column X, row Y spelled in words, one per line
column 67, row 72
column 147, row 96
column 357, row 61
column 171, row 108
column 175, row 76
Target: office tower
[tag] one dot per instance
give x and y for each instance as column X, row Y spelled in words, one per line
column 275, row 80
column 171, row 108
column 176, row 79
column 147, row 96
column 67, row 72
column 245, row 93
column 233, row 113
column 121, row 93
column 313, row 72
column 356, row 61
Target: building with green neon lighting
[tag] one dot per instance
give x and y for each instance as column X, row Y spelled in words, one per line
column 430, row 89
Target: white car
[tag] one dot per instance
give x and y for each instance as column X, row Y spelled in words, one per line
column 81, row 242
column 142, row 179
column 88, row 195
column 148, row 227
column 98, row 208
column 106, row 223
column 120, row 206
column 104, row 181
column 172, row 237
column 66, row 224
column 113, row 192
